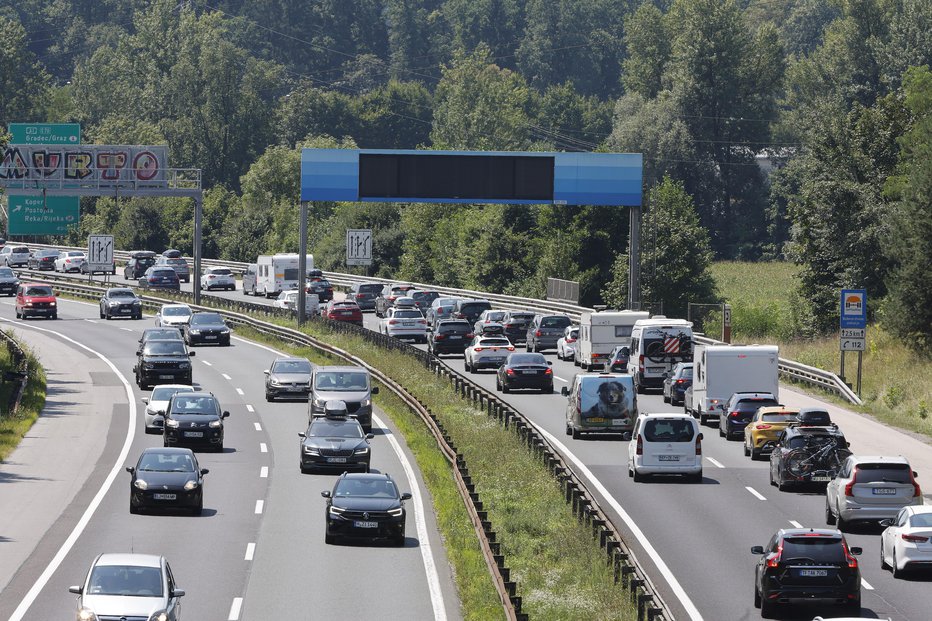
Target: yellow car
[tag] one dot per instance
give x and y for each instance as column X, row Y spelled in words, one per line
column 762, row 432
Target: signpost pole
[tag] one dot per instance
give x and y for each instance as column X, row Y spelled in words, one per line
column 842, row 373
column 634, row 259
column 302, row 264
column 196, row 279
column 860, row 356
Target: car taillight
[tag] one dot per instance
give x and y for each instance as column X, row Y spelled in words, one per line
column 537, row 333
column 773, row 561
column 510, row 371
column 914, row 538
column 917, row 492
column 478, row 348
column 733, row 414
column 548, row 372
column 640, row 446
column 641, row 363
column 764, row 426
column 569, row 340
column 852, row 561
column 392, row 322
column 849, row 488
column 439, row 337
column 699, row 444
column 680, row 381
column 469, row 335
column 511, row 348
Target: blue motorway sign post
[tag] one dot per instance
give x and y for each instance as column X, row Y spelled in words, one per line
column 853, row 327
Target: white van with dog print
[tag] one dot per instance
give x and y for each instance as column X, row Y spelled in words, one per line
column 603, row 403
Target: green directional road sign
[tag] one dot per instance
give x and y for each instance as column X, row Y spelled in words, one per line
column 45, row 133
column 35, row 215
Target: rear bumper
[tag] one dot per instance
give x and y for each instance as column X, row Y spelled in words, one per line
column 854, row 513
column 691, row 467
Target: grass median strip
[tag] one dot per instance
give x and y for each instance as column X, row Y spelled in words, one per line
column 15, row 425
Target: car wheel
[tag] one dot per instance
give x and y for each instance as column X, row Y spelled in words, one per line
column 54, row 316
column 133, row 509
column 841, row 523
column 199, row 509
column 703, row 419
column 638, row 477
column 696, row 477
column 269, row 397
column 721, row 432
column 506, row 389
column 547, row 391
column 747, row 450
column 666, row 399
column 767, row 610
column 755, row 454
column 575, row 433
column 757, row 598
column 883, row 557
column 17, row 312
column 399, row 541
column 829, row 516
column 108, row 316
column 781, row 486
column 772, row 482
column 853, row 609
column 897, row 572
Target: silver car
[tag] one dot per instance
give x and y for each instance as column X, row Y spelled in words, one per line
column 157, row 402
column 129, row 586
column 179, row 265
column 870, row 488
column 288, row 377
column 349, row 384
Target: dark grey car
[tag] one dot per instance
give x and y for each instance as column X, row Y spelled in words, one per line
column 337, row 444
column 8, row 281
column 288, row 377
column 545, row 331
column 349, row 384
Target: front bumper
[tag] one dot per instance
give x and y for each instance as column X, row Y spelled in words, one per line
column 182, row 437
column 183, row 499
column 323, row 462
column 125, row 310
column 39, row 311
column 209, row 337
column 386, row 528
column 296, row 391
column 166, row 376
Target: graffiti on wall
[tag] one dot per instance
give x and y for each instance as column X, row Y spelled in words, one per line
column 84, row 165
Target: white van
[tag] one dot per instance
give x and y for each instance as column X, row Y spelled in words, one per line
column 276, row 273
column 601, row 332
column 719, row 371
column 665, row 444
column 657, row 344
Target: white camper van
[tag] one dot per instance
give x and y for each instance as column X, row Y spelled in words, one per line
column 276, row 273
column 719, row 371
column 657, row 344
column 600, row 332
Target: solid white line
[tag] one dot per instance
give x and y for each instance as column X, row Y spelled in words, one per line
column 91, row 320
column 240, row 392
column 250, row 551
column 796, row 524
column 866, row 585
column 433, row 579
column 226, row 377
column 755, row 493
column 66, row 547
column 715, row 462
column 263, row 448
column 557, row 377
column 249, row 408
column 258, row 426
column 638, row 534
column 207, row 363
column 126, row 329
column 235, row 608
column 259, row 506
column 264, row 472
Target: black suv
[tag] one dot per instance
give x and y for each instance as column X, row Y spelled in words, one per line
column 450, row 336
column 807, row 455
column 364, row 293
column 740, row 409
column 322, row 288
column 807, row 566
column 194, row 418
column 162, row 362
column 139, row 262
column 516, row 323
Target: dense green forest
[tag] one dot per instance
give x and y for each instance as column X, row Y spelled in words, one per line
column 834, row 96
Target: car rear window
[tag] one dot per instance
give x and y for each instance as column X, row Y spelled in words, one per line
column 820, row 549
column 164, row 273
column 527, row 359
column 525, row 317
column 778, row 418
column 921, row 520
column 883, row 473
column 752, row 405
column 671, row 430
column 474, row 307
column 373, row 288
column 574, row 334
column 555, row 322
column 21, row 250
column 407, row 314
column 494, row 343
column 454, row 327
column 222, row 271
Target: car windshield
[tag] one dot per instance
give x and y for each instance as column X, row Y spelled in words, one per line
column 883, row 473
column 670, row 430
column 127, row 580
column 555, row 322
column 778, row 418
column 406, row 314
column 291, row 366
column 221, row 271
column 165, row 462
column 162, row 333
column 6, row 272
column 368, row 488
column 373, row 288
column 175, row 311
column 163, row 393
column 341, row 380
column 39, row 291
column 335, row 429
column 921, row 520
column 182, row 404
column 494, row 342
column 121, row 293
column 164, row 348
column 819, row 549
column 622, row 353
column 527, row 359
column 205, row 318
column 75, row 253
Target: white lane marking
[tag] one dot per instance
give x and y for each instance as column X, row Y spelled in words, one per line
column 715, row 462
column 66, row 547
column 258, row 426
column 264, row 472
column 240, row 392
column 557, row 377
column 91, row 320
column 235, row 609
column 796, row 524
column 638, row 534
column 263, row 448
column 226, row 377
column 755, row 493
column 433, row 579
column 207, row 363
column 250, row 551
column 126, row 329
column 260, row 504
column 249, row 408
column 866, row 585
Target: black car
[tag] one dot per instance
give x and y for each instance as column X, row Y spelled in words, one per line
column 194, row 418
column 423, row 299
column 166, row 478
column 120, row 302
column 163, row 362
column 525, row 371
column 386, row 298
column 449, row 336
column 8, row 281
column 807, row 566
column 805, row 455
column 676, row 382
column 364, row 294
column 617, row 360
column 470, row 310
column 516, row 323
column 139, row 262
column 288, row 377
column 740, row 409
column 206, row 327
column 322, row 288
column 158, row 277
column 42, row 260
column 366, row 506
column 160, row 334
column 337, row 444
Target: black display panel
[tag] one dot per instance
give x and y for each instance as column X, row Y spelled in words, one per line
column 461, row 177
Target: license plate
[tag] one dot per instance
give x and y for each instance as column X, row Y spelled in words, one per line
column 210, row 337
column 408, row 324
column 815, row 573
column 620, row 421
column 194, row 434
column 346, row 313
column 596, row 419
column 165, row 496
column 336, row 460
column 166, row 376
column 668, row 457
column 454, row 337
column 361, row 524
column 820, row 479
column 530, row 372
column 126, row 310
column 884, row 491
column 655, row 369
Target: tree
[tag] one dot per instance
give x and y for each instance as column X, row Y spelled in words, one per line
column 648, row 45
column 23, row 81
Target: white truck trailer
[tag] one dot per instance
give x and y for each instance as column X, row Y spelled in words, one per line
column 276, row 273
column 601, row 332
column 719, row 371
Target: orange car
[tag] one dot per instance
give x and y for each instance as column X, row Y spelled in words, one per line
column 762, row 432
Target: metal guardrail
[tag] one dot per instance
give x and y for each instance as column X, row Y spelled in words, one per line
column 19, row 373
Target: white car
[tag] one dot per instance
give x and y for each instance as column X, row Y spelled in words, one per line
column 70, row 261
column 158, row 401
column 404, row 323
column 218, row 278
column 665, row 444
column 289, row 300
column 566, row 344
column 487, row 352
column 405, row 302
column 128, row 586
column 173, row 315
column 906, row 543
column 489, row 317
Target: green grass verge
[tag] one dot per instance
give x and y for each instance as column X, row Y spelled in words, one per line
column 14, row 426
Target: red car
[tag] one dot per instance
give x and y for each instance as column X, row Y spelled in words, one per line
column 36, row 299
column 343, row 311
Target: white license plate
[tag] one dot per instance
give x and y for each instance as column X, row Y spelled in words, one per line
column 655, row 369
column 361, row 524
column 210, row 337
column 346, row 313
column 820, row 479
column 126, row 310
column 165, row 496
column 668, row 457
column 530, row 372
column 194, row 434
column 336, row 460
column 884, row 491
column 454, row 337
column 816, row 573
column 166, row 376
column 408, row 324
column 619, row 421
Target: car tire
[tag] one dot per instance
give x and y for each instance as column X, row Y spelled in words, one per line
column 575, row 433
column 841, row 523
column 547, row 391
column 721, row 433
column 54, row 316
column 506, row 389
column 767, row 610
column 757, row 598
column 772, row 482
column 703, row 419
column 696, row 477
column 399, row 541
column 883, row 559
column 747, row 451
column 133, row 509
column 16, row 310
column 853, row 609
column 756, row 454
column 666, row 399
column 829, row 516
column 897, row 573
column 269, row 397
column 199, row 509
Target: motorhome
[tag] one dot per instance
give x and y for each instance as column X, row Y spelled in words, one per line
column 600, row 332
column 719, row 371
column 273, row 274
column 657, row 344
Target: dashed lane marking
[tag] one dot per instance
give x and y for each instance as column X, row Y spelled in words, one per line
column 755, row 493
column 260, row 504
column 250, row 551
column 715, row 462
column 249, row 408
column 226, row 377
column 207, row 363
column 258, row 426
column 235, row 609
column 264, row 472
column 240, row 392
column 263, row 448
column 796, row 524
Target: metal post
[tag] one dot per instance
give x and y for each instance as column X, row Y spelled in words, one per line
column 196, row 280
column 860, row 356
column 842, row 374
column 302, row 264
column 634, row 259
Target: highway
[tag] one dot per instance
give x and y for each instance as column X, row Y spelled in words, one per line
column 258, row 550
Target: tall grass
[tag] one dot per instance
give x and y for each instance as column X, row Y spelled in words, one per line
column 761, row 296
column 13, row 426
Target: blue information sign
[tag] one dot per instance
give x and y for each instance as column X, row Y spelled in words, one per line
column 854, row 308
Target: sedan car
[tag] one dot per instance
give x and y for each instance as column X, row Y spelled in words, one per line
column 677, row 380
column 128, row 586
column 525, row 371
column 338, row 444
column 870, row 488
column 402, row 323
column 173, row 315
column 206, row 327
column 449, row 336
column 366, row 506
column 120, row 302
column 157, row 403
column 489, row 317
column 566, row 345
column 906, row 543
column 70, row 261
column 218, row 278
column 343, row 311
column 762, row 433
column 8, row 281
column 166, row 478
column 42, row 260
column 288, row 377
column 441, row 308
column 194, row 418
column 160, row 277
column 487, row 352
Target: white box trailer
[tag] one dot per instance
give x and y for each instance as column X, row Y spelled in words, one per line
column 719, row 371
column 278, row 272
column 601, row 332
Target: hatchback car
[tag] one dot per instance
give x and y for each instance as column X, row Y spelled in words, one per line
column 163, row 362
column 42, row 260
column 486, row 352
column 288, row 378
column 618, row 359
column 194, row 419
column 364, row 294
column 807, row 566
column 157, row 403
column 449, row 336
column 906, row 542
column 218, row 278
column 70, row 261
column 35, row 300
column 120, row 302
column 739, row 410
column 129, row 586
column 489, row 317
column 545, row 331
column 337, row 444
column 166, row 478
column 349, row 384
column 870, row 488
column 566, row 344
column 365, row 506
column 762, row 433
column 390, row 293
column 178, row 264
column 139, row 261
column 348, row 312
column 806, row 455
column 160, row 277
column 423, row 299
column 9, row 282
column 14, row 256
column 403, row 323
column 678, row 379
column 665, row 444
column 516, row 323
column 470, row 310
column 525, row 371
column 206, row 327
column 441, row 308
column 173, row 315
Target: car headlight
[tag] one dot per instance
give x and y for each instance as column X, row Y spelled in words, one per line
column 148, row 366
column 51, row 303
column 86, row 614
column 184, row 365
column 215, row 424
column 224, row 330
column 160, row 615
column 171, row 422
column 274, row 382
column 362, row 451
column 311, row 450
column 140, row 484
column 336, row 511
column 365, row 403
column 319, row 403
column 190, row 485
column 194, row 331
column 396, row 512
column 137, row 303
column 114, row 302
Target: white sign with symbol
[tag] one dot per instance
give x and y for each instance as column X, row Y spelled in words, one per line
column 852, row 344
column 359, row 246
column 100, row 253
column 726, row 315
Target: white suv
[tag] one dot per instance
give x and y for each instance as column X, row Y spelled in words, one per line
column 665, row 444
column 14, row 256
column 870, row 488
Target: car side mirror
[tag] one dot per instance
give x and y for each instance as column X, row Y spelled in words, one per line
column 325, row 493
column 565, row 391
column 145, row 400
column 225, row 415
column 700, row 436
column 406, row 496
column 138, row 351
column 915, row 474
column 550, row 362
column 375, row 390
column 847, row 444
column 177, row 592
column 301, row 434
column 190, row 353
column 887, row 522
column 130, row 469
column 856, row 551
column 205, row 470
column 162, row 412
column 757, row 549
column 369, row 436
column 77, row 590
column 267, row 371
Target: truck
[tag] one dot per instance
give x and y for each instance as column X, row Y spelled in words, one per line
column 273, row 273
column 657, row 345
column 719, row 371
column 600, row 332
